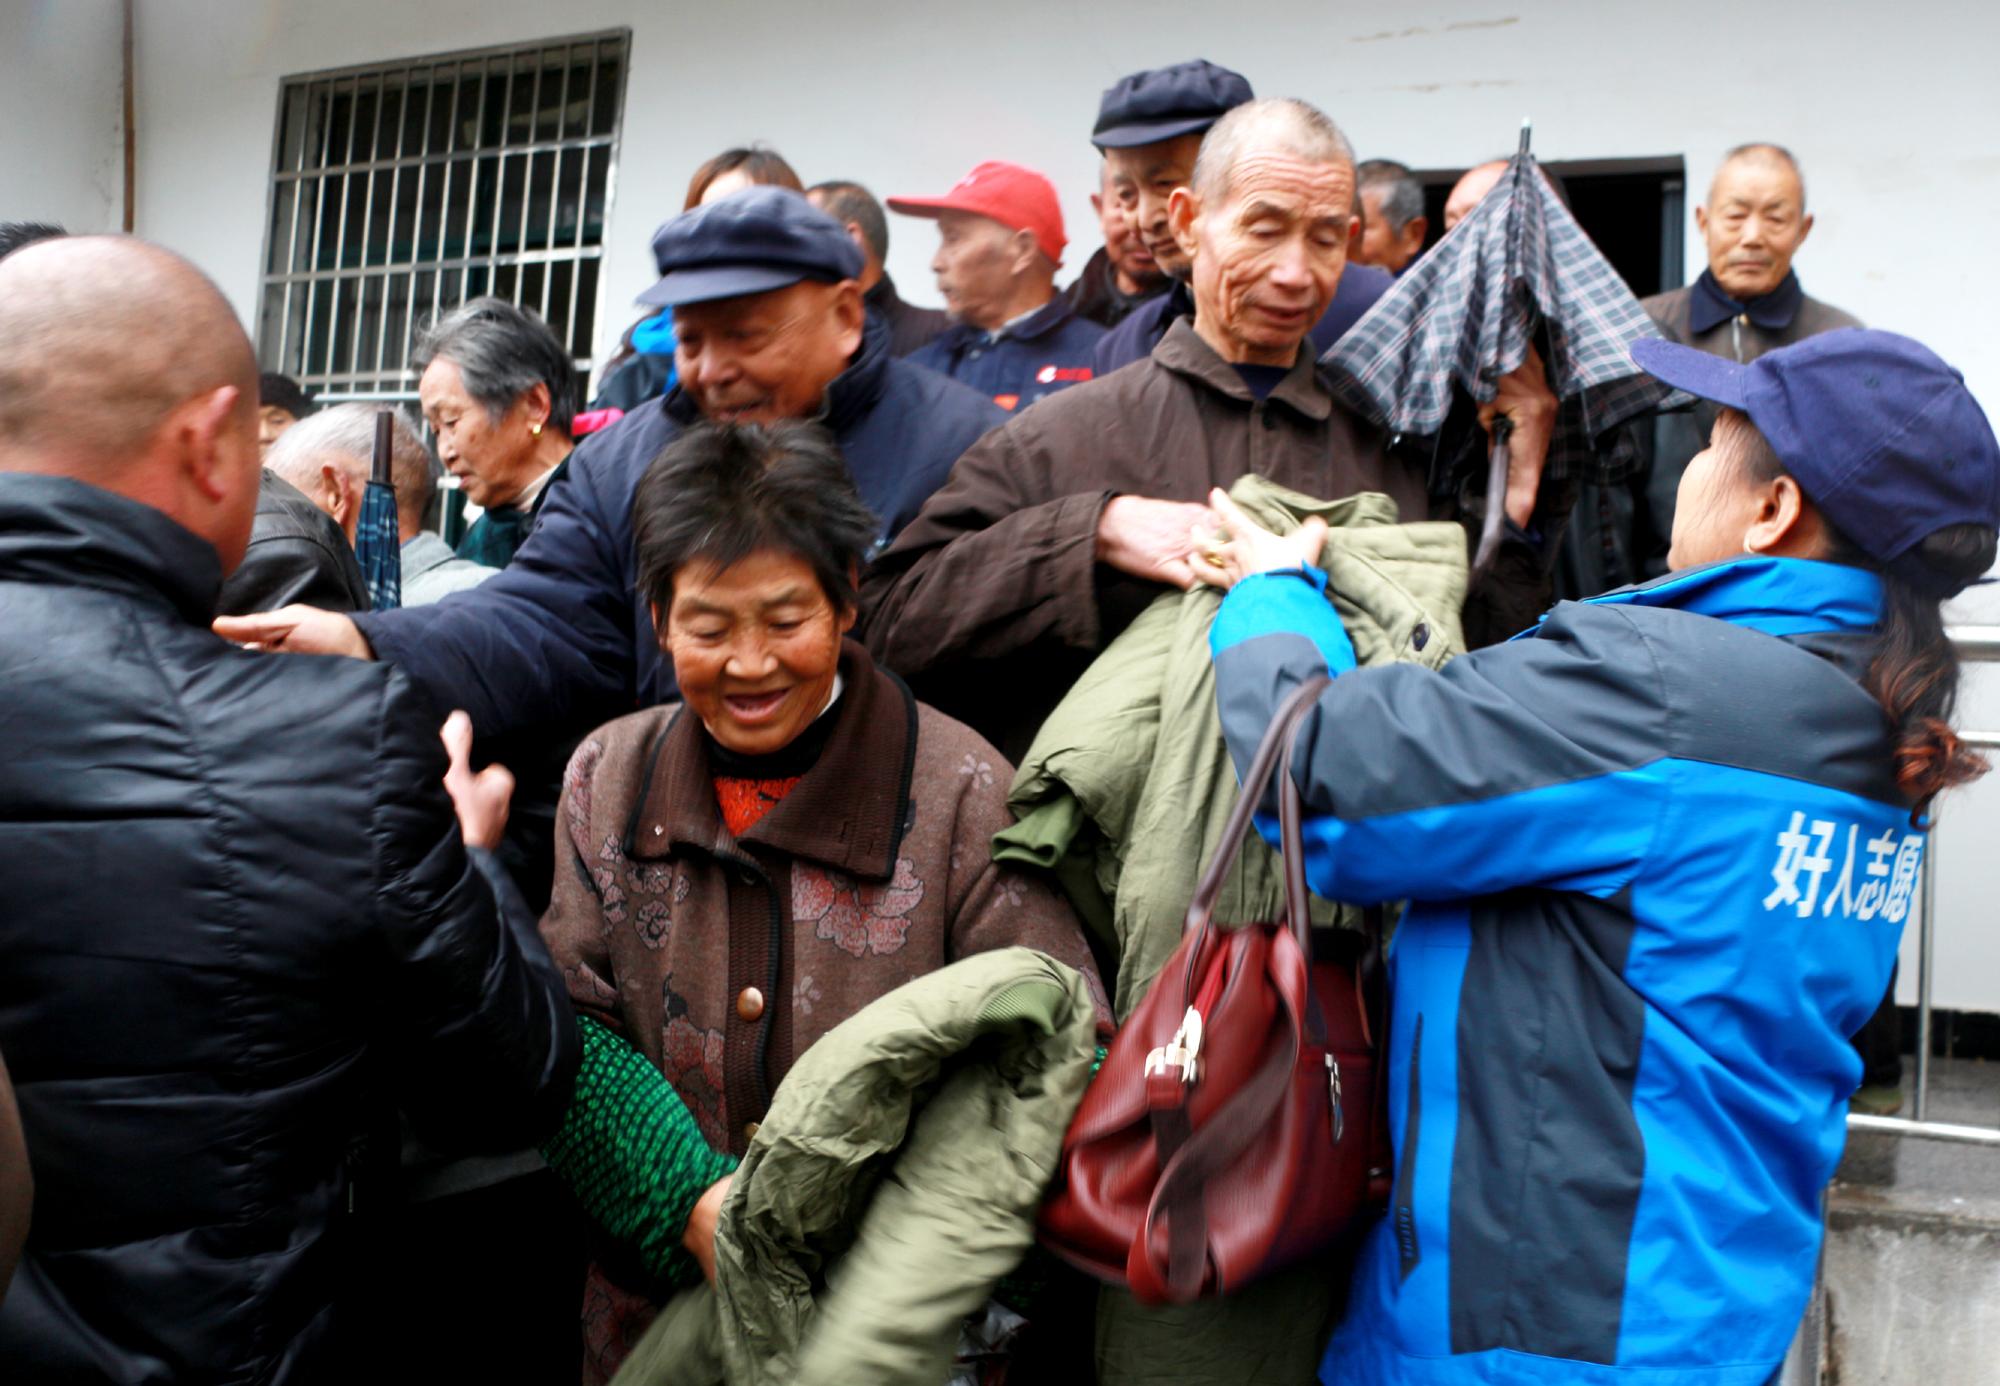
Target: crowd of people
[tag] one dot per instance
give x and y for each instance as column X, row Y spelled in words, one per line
column 649, row 902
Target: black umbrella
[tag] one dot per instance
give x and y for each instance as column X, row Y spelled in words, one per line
column 1517, row 272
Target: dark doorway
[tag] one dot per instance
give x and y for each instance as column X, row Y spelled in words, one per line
column 1634, row 209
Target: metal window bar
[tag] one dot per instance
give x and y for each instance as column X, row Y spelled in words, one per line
column 354, row 260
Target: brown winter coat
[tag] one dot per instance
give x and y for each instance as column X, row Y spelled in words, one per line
column 992, row 601
column 722, row 959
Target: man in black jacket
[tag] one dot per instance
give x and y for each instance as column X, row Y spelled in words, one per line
column 296, row 554
column 217, row 932
column 771, row 326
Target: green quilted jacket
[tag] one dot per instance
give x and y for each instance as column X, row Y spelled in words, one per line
column 890, row 1187
column 1124, row 792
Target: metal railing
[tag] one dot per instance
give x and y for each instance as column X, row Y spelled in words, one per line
column 1978, row 645
column 1805, row 1364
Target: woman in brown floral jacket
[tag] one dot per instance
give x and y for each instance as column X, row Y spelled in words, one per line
column 739, row 873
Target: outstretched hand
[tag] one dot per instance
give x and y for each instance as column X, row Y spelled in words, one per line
column 1238, row 546
column 481, row 799
column 1148, row 538
column 296, row 630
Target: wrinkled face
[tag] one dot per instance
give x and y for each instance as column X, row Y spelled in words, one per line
column 1268, row 256
column 1122, row 246
column 1716, row 504
column 271, row 421
column 764, row 358
column 755, row 647
column 1140, row 181
column 1469, row 191
column 1383, row 245
column 493, row 459
column 1754, row 223
column 977, row 264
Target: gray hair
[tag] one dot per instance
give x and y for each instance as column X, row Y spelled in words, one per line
column 345, row 436
column 1281, row 123
column 1764, row 149
column 1401, row 195
column 501, row 352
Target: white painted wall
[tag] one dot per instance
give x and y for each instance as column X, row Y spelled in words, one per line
column 62, row 154
column 1894, row 113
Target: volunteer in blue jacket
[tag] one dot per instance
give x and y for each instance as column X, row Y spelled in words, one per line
column 1660, row 851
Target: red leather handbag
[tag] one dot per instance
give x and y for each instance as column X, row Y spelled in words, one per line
column 1234, row 1126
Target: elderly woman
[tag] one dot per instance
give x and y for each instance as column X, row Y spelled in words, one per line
column 499, row 392
column 740, row 872
column 1661, row 850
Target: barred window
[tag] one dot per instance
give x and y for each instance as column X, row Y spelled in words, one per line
column 400, row 190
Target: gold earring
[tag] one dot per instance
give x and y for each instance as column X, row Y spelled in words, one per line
column 535, row 430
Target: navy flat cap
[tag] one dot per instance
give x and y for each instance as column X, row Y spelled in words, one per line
column 1163, row 102
column 750, row 242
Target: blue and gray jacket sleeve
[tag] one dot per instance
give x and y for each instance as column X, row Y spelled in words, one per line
column 1530, row 764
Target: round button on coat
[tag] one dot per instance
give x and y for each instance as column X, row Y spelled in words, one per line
column 749, row 1003
column 750, row 1130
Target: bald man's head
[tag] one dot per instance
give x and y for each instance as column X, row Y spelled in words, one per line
column 122, row 366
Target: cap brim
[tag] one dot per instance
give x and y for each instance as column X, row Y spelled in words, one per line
column 1151, row 132
column 706, row 283
column 1700, row 374
column 927, row 206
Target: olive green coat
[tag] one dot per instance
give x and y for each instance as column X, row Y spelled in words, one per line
column 893, row 1182
column 1126, row 788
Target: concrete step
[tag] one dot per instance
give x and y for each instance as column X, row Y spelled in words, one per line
column 1913, row 1247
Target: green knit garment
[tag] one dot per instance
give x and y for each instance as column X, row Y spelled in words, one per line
column 630, row 1150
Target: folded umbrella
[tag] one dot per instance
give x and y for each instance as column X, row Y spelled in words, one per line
column 1517, row 272
column 377, row 539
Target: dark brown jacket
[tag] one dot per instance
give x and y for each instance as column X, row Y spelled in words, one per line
column 992, row 601
column 721, row 958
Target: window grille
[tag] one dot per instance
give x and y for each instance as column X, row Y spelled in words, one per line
column 400, row 190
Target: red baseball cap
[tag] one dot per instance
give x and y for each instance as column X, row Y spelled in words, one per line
column 1018, row 198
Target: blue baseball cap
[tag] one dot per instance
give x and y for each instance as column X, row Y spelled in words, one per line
column 1163, row 102
column 1882, row 435
column 750, row 242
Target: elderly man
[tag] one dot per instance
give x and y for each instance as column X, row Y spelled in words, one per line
column 1747, row 302
column 767, row 304
column 854, row 207
column 1149, row 129
column 328, row 458
column 1057, row 529
column 1000, row 240
column 239, row 899
column 297, row 554
column 1121, row 274
column 1392, row 215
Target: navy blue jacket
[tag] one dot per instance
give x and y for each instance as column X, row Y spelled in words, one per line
column 560, row 638
column 1659, row 866
column 1048, row 350
column 1135, row 337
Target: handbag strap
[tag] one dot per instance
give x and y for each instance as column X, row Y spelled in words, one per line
column 1274, row 749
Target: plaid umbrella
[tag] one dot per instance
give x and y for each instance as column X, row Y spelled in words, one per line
column 1516, row 271
column 377, row 541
